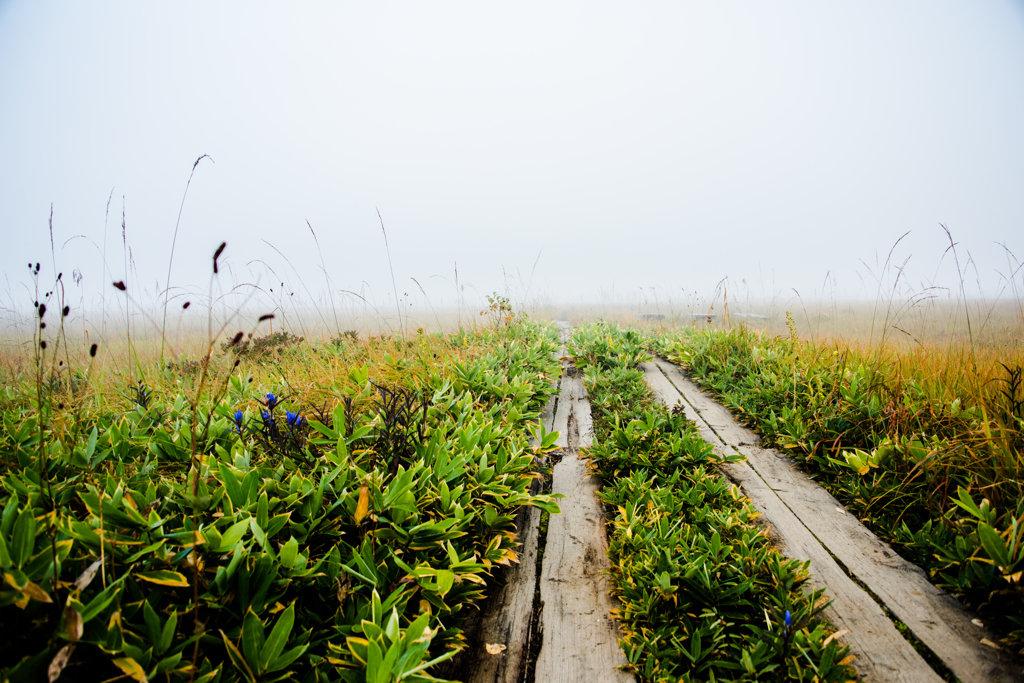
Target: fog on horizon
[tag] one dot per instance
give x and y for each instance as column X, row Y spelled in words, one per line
column 566, row 153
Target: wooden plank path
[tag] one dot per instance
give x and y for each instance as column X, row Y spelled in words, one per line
column 808, row 523
column 579, row 638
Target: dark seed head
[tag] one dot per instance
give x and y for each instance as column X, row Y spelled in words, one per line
column 266, row 316
column 237, row 338
column 186, row 305
column 42, row 310
column 42, row 345
column 64, row 313
column 60, row 406
column 42, row 326
column 120, row 285
column 216, row 255
column 92, row 351
column 237, row 361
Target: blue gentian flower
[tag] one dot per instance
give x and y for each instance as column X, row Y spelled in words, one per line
column 789, row 619
column 271, row 401
column 293, row 418
column 238, row 419
column 266, row 416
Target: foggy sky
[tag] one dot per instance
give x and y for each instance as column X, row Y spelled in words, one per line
column 628, row 145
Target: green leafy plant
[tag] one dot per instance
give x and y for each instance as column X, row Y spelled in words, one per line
column 175, row 540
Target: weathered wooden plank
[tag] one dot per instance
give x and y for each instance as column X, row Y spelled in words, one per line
column 935, row 617
column 882, row 653
column 572, row 415
column 580, row 642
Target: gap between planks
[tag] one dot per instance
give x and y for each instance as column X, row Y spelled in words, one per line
column 813, row 525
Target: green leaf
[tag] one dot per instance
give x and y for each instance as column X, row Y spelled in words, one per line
column 90, row 447
column 278, row 638
column 101, row 601
column 24, row 538
column 233, row 535
column 324, row 429
column 5, row 555
column 287, row 658
column 9, row 515
column 237, row 659
column 391, row 630
column 994, row 545
column 445, row 580
column 257, row 532
column 967, row 503
column 167, row 633
column 152, row 621
column 373, row 660
column 231, row 485
column 288, row 553
column 252, row 639
column 263, row 510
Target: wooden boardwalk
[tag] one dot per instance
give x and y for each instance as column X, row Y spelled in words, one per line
column 808, row 523
column 578, row 638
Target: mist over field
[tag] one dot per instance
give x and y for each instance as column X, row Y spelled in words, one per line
column 560, row 155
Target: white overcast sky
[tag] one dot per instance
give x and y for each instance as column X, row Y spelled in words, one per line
column 630, row 145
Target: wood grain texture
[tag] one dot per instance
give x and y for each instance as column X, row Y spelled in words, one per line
column 934, row 616
column 882, row 653
column 580, row 641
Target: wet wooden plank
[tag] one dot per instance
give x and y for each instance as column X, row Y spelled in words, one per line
column 934, row 616
column 882, row 653
column 580, row 641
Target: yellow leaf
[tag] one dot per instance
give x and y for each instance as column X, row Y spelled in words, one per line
column 363, row 506
column 164, row 577
column 847, row 660
column 132, row 668
column 837, row 634
column 72, row 623
column 35, row 592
